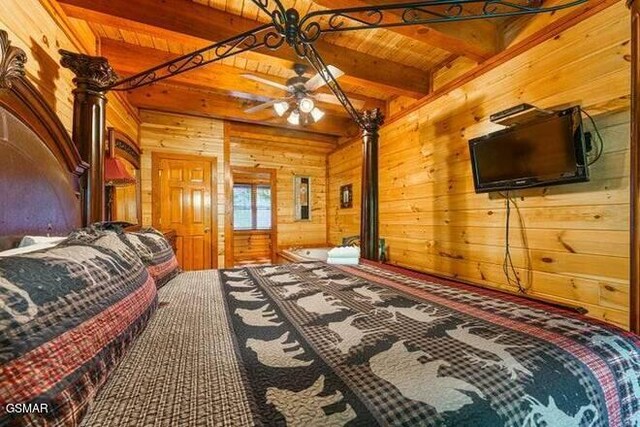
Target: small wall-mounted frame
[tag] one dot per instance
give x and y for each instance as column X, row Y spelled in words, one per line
column 302, row 198
column 346, row 196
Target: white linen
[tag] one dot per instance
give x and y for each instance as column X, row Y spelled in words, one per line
column 344, row 252
column 33, row 240
column 343, row 261
column 27, row 249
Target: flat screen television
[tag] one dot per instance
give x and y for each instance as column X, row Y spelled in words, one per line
column 545, row 151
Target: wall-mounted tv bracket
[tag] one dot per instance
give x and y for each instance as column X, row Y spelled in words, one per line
column 524, row 113
column 518, row 115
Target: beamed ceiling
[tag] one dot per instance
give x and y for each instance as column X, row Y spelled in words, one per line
column 380, row 65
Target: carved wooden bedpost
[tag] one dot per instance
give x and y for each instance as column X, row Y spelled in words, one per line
column 634, row 307
column 369, row 240
column 93, row 76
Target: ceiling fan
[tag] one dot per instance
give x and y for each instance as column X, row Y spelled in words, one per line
column 300, row 97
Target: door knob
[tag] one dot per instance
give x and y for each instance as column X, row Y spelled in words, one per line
column 206, row 230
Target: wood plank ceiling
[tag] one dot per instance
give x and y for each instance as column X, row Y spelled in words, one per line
column 380, row 65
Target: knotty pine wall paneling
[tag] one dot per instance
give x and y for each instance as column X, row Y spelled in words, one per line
column 345, row 167
column 250, row 146
column 252, row 247
column 172, row 133
column 289, row 155
column 570, row 243
column 40, row 28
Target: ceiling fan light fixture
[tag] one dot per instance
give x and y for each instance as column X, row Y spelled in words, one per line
column 281, row 108
column 294, row 118
column 317, row 114
column 306, row 105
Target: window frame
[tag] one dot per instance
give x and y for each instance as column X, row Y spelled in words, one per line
column 254, row 207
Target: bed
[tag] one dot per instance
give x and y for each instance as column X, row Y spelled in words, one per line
column 100, row 330
column 313, row 344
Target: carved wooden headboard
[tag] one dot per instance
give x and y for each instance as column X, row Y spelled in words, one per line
column 40, row 167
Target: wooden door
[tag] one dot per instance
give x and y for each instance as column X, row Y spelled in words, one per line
column 183, row 200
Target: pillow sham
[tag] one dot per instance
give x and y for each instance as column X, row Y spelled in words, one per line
column 68, row 314
column 150, row 244
column 156, row 252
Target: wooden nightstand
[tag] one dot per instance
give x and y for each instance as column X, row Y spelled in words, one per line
column 171, row 236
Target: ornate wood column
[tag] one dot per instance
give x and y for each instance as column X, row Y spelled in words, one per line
column 93, row 75
column 369, row 240
column 634, row 276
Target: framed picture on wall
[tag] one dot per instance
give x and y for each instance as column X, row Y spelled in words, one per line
column 302, row 197
column 346, row 196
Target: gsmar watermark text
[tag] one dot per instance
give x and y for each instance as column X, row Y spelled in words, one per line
column 27, row 408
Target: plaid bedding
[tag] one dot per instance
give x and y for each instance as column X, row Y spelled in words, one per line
column 149, row 244
column 156, row 253
column 67, row 316
column 316, row 345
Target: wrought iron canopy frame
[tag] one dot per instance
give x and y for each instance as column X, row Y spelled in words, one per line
column 301, row 32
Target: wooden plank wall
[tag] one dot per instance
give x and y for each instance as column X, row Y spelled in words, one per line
column 570, row 243
column 40, row 28
column 171, row 133
column 252, row 247
column 251, row 147
column 344, row 168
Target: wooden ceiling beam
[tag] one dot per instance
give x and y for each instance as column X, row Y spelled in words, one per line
column 287, row 136
column 478, row 40
column 192, row 42
column 182, row 100
column 128, row 59
column 197, row 20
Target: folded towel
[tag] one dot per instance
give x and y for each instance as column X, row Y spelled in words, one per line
column 344, row 252
column 343, row 261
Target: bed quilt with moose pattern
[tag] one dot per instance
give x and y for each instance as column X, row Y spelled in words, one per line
column 327, row 345
column 317, row 345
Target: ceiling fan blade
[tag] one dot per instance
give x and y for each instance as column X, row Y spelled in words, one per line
column 331, row 99
column 317, row 81
column 262, row 106
column 265, row 81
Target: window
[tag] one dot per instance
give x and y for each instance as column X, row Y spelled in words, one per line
column 242, row 207
column 251, row 207
column 263, row 207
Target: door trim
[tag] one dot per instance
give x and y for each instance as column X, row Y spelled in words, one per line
column 155, row 194
column 228, row 218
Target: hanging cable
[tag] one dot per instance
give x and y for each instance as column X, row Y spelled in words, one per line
column 600, row 139
column 507, row 263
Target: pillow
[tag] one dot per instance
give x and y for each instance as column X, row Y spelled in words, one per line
column 68, row 314
column 27, row 249
column 33, row 240
column 91, row 232
column 151, row 246
column 156, row 253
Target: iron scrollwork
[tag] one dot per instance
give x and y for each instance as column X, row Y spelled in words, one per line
column 314, row 24
column 301, row 32
column 276, row 14
column 316, row 61
column 263, row 36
